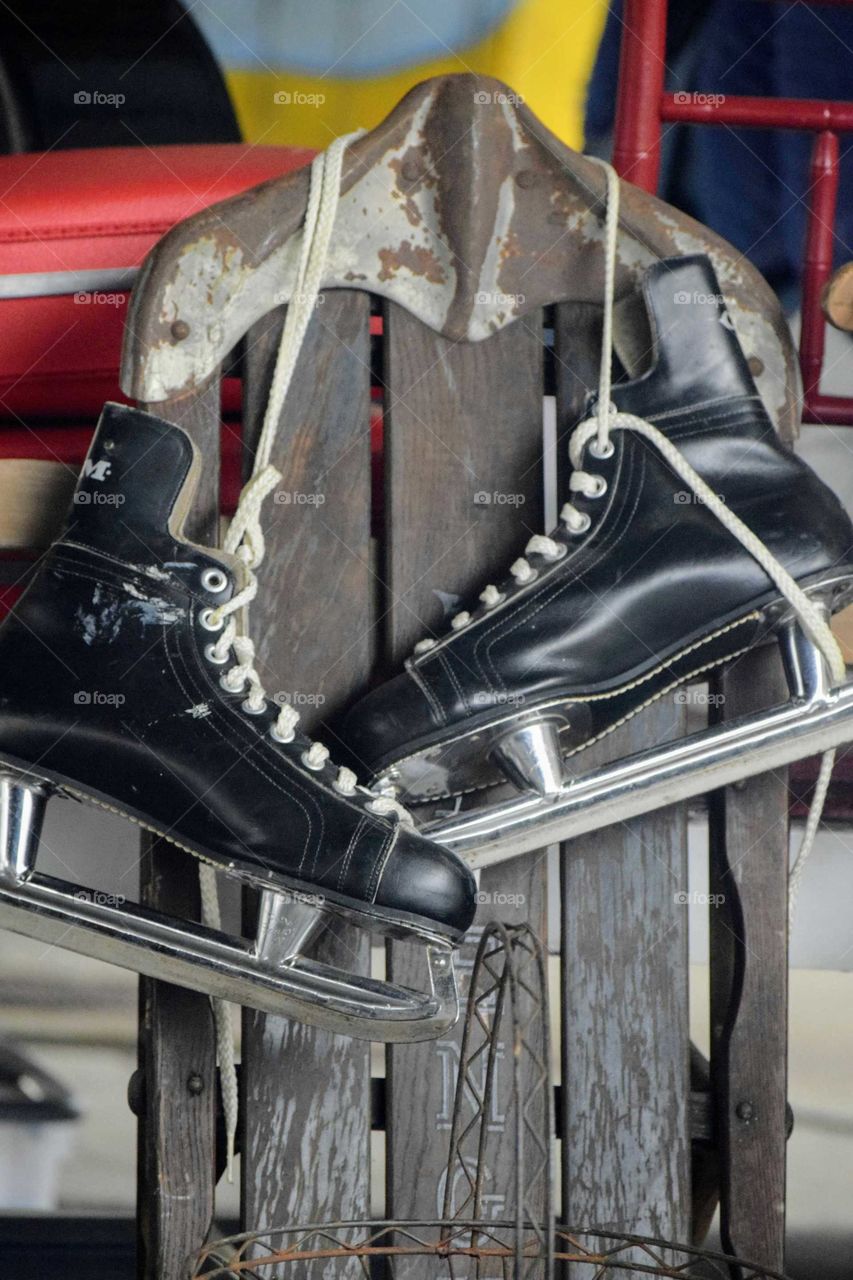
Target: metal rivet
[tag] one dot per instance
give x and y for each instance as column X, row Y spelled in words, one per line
column 136, row 1093
column 745, row 1111
column 410, row 170
column 179, row 330
column 214, row 580
column 206, row 620
column 601, row 453
column 281, row 737
column 756, row 366
column 195, row 1084
column 252, row 711
column 526, row 178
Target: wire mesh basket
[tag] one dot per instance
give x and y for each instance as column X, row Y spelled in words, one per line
column 507, row 1007
column 460, row 1249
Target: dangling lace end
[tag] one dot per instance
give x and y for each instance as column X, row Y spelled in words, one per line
column 223, row 1026
column 806, row 848
column 227, row 1081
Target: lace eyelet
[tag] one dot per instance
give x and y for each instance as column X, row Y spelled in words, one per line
column 349, row 792
column 607, row 452
column 315, row 768
column 600, row 488
column 250, row 710
column 577, row 530
column 562, row 551
column 223, row 684
column 214, row 580
column 210, row 654
column 205, row 620
column 531, row 578
column 281, row 737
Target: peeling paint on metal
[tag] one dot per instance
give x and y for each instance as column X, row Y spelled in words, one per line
column 427, row 224
column 408, row 257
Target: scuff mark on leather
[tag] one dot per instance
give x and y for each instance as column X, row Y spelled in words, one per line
column 103, row 622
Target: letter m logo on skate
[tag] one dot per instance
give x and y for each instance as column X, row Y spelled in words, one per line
column 97, row 470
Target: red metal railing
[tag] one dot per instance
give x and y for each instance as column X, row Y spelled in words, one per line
column 642, row 107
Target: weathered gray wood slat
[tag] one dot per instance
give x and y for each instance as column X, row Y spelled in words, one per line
column 626, row 1145
column 176, row 1135
column 463, row 421
column 306, row 1093
column 624, row 1005
column 749, row 982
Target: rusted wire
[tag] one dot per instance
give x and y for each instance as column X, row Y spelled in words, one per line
column 599, row 1253
column 507, row 1006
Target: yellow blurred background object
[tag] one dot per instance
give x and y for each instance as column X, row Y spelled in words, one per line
column 304, row 73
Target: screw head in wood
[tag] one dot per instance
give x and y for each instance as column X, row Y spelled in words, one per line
column 745, row 1110
column 410, row 170
column 195, row 1084
column 179, row 330
column 136, row 1093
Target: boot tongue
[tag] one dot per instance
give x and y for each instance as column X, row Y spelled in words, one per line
column 696, row 353
column 135, row 486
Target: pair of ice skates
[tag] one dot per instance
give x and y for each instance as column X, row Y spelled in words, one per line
column 690, row 535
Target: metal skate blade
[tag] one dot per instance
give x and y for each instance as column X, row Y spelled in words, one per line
column 651, row 779
column 180, row 951
column 531, row 758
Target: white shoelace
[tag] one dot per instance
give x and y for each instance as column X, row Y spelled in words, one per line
column 245, row 540
column 594, row 433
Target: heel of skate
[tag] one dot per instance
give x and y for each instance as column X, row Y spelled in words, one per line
column 286, row 925
column 806, row 671
column 531, row 758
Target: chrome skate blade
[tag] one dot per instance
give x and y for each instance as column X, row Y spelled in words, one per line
column 815, row 720
column 179, row 951
column 531, row 758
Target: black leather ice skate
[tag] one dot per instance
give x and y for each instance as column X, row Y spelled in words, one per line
column 692, row 534
column 127, row 684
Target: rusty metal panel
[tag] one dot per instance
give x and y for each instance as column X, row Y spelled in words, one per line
column 460, row 207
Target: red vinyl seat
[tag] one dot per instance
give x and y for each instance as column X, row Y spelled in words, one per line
column 67, row 211
column 101, row 210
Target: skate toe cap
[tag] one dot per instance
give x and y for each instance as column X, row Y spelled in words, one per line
column 424, row 879
column 380, row 724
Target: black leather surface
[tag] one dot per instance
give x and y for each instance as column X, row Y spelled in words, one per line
column 656, row 574
column 105, row 683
